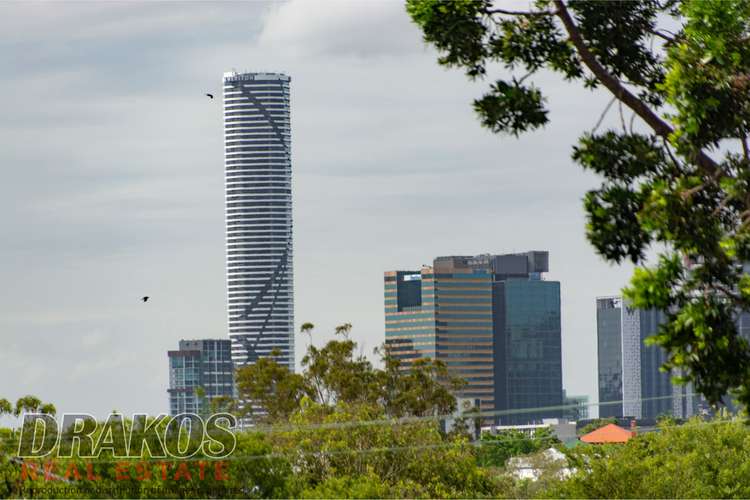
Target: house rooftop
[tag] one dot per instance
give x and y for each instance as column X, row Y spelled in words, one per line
column 610, row 433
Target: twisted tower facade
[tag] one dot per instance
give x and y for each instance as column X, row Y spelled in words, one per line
column 258, row 177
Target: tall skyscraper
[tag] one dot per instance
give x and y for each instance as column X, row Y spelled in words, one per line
column 258, row 169
column 629, row 374
column 199, row 371
column 492, row 319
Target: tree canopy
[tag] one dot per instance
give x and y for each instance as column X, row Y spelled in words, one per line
column 695, row 460
column 675, row 178
column 334, row 374
column 335, row 435
column 496, row 449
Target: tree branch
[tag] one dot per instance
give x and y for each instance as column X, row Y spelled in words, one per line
column 661, row 35
column 669, row 152
column 522, row 12
column 601, row 117
column 659, row 126
column 524, row 77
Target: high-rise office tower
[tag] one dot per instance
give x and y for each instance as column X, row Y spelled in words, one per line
column 259, row 216
column 199, row 371
column 492, row 319
column 629, row 374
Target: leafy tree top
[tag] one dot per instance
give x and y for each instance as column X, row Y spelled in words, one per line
column 334, row 374
column 675, row 179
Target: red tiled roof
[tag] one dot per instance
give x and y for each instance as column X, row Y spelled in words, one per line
column 610, row 433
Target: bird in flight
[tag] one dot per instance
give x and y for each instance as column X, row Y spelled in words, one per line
column 210, row 95
column 145, row 299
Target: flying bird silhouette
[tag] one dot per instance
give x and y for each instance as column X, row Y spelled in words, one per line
column 145, row 299
column 210, row 95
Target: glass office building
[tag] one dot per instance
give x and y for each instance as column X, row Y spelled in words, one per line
column 533, row 340
column 609, row 356
column 491, row 318
column 410, row 314
column 630, row 379
column 259, row 216
column 199, row 371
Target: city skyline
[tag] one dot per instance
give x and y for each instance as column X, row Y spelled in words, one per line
column 122, row 193
column 375, row 249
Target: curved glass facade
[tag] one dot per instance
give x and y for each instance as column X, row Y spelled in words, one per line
column 257, row 160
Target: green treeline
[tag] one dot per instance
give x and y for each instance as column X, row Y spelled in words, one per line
column 343, row 428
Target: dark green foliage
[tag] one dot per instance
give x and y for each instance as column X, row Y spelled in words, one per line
column 512, row 108
column 613, row 227
column 619, row 36
column 682, row 188
column 496, row 449
column 533, row 44
column 457, row 29
column 620, row 157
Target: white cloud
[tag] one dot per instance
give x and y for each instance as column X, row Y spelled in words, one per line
column 76, row 21
column 335, row 27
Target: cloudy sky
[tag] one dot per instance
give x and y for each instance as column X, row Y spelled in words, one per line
column 112, row 184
